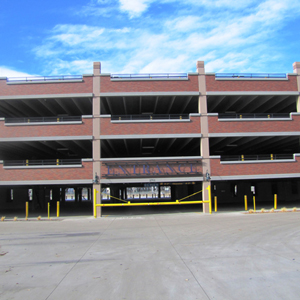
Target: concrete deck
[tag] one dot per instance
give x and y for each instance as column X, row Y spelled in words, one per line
column 164, row 256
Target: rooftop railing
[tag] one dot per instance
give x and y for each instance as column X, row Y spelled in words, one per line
column 44, row 162
column 150, row 117
column 153, row 75
column 253, row 115
column 44, row 78
column 43, row 119
column 250, row 75
column 249, row 157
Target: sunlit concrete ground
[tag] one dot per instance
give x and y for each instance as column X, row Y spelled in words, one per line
column 185, row 255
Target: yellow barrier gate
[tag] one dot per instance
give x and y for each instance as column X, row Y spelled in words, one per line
column 177, row 202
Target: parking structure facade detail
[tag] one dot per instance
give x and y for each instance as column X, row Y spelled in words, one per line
column 149, row 138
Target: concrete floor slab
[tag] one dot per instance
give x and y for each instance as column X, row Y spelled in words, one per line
column 172, row 256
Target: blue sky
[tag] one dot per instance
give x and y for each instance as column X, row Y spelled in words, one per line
column 148, row 36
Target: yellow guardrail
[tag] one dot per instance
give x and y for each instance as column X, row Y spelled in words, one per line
column 128, row 203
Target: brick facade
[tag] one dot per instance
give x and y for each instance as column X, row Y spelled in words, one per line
column 84, row 173
column 240, row 126
column 109, row 86
column 218, row 169
column 108, row 128
column 83, row 129
column 213, row 85
column 86, row 86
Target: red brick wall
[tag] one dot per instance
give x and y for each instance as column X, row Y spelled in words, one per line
column 251, row 85
column 216, row 126
column 46, row 88
column 218, row 169
column 108, row 128
column 108, row 86
column 46, row 130
column 86, row 172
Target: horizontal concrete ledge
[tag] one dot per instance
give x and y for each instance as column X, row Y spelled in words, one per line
column 190, row 115
column 258, row 134
column 47, row 96
column 257, row 161
column 87, row 116
column 251, row 79
column 151, row 158
column 43, row 123
column 258, row 176
column 252, row 93
column 255, row 119
column 149, row 79
column 86, row 159
column 152, row 180
column 42, row 82
column 150, row 136
column 152, row 121
column 123, row 94
column 43, row 167
column 41, row 139
column 47, row 182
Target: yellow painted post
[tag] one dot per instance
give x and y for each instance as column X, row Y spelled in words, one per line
column 95, row 201
column 26, row 210
column 216, row 206
column 275, row 201
column 271, row 156
column 242, row 156
column 57, row 209
column 209, row 198
column 254, row 205
column 48, row 210
column 246, row 202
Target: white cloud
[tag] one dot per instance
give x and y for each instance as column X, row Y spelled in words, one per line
column 7, row 72
column 67, row 67
column 227, row 40
column 134, row 7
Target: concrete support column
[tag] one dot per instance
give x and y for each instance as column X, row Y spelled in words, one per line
column 204, row 143
column 296, row 68
column 96, row 134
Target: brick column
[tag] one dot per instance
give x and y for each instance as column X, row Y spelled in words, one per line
column 204, row 143
column 96, row 134
column 296, row 67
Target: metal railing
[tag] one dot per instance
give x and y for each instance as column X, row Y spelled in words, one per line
column 149, row 117
column 43, row 119
column 153, row 75
column 253, row 115
column 44, row 162
column 250, row 75
column 44, row 78
column 248, row 157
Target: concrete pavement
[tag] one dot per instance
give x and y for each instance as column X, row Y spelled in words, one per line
column 165, row 256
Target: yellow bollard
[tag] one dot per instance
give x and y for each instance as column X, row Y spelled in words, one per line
column 254, row 206
column 95, row 201
column 275, row 201
column 57, row 209
column 26, row 210
column 48, row 210
column 246, row 202
column 216, row 206
column 209, row 198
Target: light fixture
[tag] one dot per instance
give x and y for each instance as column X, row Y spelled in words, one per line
column 96, row 180
column 207, row 176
